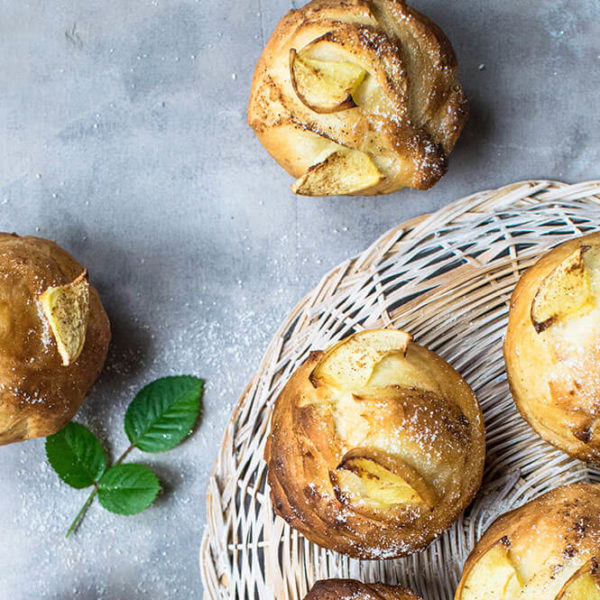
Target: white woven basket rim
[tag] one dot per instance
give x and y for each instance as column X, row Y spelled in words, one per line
column 485, row 275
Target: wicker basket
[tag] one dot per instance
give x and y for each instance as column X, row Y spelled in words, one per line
column 446, row 278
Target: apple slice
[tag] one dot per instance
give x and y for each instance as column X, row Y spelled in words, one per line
column 493, row 576
column 349, row 363
column 584, row 584
column 344, row 171
column 564, row 292
column 322, row 85
column 400, row 368
column 66, row 307
column 387, row 479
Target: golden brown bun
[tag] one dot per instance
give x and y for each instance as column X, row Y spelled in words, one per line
column 38, row 395
column 545, row 545
column 350, row 589
column 554, row 371
column 410, row 110
column 379, row 469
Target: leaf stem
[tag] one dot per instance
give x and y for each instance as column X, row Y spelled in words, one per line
column 124, row 455
column 91, row 497
column 83, row 510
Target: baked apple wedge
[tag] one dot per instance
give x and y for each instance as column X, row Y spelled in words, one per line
column 493, row 577
column 345, row 171
column 402, row 368
column 584, row 584
column 66, row 307
column 322, row 85
column 566, row 291
column 385, row 479
column 350, row 363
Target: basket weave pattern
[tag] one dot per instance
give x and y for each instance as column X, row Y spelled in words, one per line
column 447, row 279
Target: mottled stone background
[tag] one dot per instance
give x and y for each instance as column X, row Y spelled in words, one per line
column 124, row 138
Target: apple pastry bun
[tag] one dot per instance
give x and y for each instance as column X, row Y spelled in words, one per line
column 376, row 446
column 358, row 97
column 547, row 549
column 552, row 347
column 54, row 336
column 351, row 589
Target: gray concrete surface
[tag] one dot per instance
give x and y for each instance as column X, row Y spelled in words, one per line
column 124, row 138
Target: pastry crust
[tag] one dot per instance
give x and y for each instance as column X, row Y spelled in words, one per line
column 410, row 110
column 38, row 395
column 548, row 542
column 330, row 444
column 554, row 370
column 351, row 589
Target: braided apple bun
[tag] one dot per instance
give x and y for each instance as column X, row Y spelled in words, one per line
column 548, row 549
column 376, row 446
column 351, row 589
column 358, row 97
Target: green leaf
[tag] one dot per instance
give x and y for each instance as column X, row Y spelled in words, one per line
column 76, row 455
column 163, row 413
column 128, row 489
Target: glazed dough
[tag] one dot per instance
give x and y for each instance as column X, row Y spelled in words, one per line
column 38, row 395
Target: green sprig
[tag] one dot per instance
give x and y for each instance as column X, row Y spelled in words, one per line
column 160, row 416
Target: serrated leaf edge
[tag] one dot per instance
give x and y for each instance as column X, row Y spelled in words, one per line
column 136, row 441
column 94, row 479
column 101, row 489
